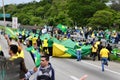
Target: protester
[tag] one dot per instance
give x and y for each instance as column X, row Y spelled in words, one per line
column 44, row 72
column 78, row 51
column 20, row 52
column 104, row 53
column 110, row 49
column 20, row 61
column 39, row 43
column 94, row 51
column 34, row 40
column 50, row 46
column 99, row 49
column 34, row 52
column 20, row 37
column 45, row 45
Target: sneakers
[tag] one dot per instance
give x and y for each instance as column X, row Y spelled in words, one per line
column 106, row 64
column 102, row 70
column 78, row 59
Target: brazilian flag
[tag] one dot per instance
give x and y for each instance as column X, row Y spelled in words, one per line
column 36, row 55
column 10, row 32
column 62, row 27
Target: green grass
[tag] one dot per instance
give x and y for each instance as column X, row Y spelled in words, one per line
column 114, row 58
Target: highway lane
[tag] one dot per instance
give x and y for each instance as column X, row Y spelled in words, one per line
column 70, row 69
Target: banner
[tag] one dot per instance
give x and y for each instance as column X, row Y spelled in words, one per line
column 14, row 22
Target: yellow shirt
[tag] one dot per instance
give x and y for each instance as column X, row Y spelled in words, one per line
column 45, row 43
column 64, row 38
column 94, row 49
column 97, row 43
column 93, row 35
column 104, row 52
column 21, row 54
column 34, row 40
column 13, row 57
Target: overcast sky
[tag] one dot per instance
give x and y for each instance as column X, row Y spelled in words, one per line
column 15, row 1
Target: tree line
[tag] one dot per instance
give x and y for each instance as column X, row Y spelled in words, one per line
column 94, row 13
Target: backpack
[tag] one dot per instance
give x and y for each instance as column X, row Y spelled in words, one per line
column 45, row 74
column 6, row 68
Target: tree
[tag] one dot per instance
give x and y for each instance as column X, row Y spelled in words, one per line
column 35, row 20
column 23, row 18
column 116, row 22
column 53, row 12
column 102, row 18
column 81, row 10
column 11, row 9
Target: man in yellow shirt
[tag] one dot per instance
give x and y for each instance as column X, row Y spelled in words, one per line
column 34, row 40
column 13, row 49
column 104, row 53
column 94, row 51
column 20, row 52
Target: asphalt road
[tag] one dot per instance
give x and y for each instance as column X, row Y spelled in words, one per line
column 70, row 69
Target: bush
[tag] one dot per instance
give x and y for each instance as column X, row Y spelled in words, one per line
column 114, row 58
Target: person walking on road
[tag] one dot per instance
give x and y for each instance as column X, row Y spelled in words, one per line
column 78, row 52
column 99, row 49
column 50, row 46
column 104, row 53
column 45, row 45
column 109, row 47
column 94, row 51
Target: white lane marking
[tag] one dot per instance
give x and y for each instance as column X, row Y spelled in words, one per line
column 74, row 78
column 100, row 67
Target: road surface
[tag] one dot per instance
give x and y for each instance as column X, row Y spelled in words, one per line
column 70, row 69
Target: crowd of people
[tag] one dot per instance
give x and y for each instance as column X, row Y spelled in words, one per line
column 42, row 49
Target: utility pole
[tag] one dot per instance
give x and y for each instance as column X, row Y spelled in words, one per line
column 4, row 13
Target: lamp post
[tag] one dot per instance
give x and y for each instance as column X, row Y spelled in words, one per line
column 4, row 13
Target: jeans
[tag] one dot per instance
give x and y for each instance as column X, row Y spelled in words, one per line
column 78, row 55
column 113, row 40
column 104, row 61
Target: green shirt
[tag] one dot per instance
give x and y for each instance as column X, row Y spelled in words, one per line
column 50, row 43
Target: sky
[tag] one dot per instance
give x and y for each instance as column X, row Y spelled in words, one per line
column 16, row 1
column 22, row 1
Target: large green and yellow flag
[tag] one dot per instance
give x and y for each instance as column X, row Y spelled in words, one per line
column 36, row 55
column 62, row 27
column 10, row 32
